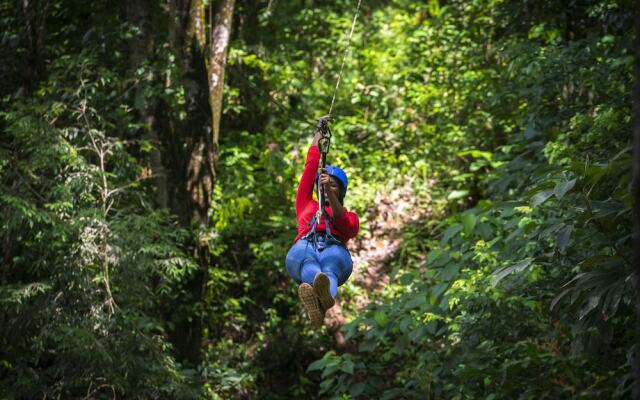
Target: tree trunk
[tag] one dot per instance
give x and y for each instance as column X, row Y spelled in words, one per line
column 35, row 16
column 140, row 52
column 636, row 184
column 218, row 48
column 197, row 152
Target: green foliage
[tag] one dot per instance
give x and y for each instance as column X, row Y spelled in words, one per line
column 87, row 261
column 512, row 117
column 533, row 283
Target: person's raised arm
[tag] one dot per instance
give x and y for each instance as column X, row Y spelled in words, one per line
column 305, row 188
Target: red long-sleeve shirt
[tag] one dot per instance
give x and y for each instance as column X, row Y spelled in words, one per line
column 343, row 228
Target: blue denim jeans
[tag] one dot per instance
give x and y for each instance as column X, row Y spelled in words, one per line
column 304, row 262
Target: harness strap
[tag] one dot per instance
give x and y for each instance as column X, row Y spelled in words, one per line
column 313, row 235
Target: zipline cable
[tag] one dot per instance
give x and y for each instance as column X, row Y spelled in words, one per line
column 344, row 57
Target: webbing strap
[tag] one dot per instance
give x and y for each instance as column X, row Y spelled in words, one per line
column 313, row 235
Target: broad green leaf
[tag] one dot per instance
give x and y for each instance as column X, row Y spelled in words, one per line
column 417, row 333
column 562, row 240
column 515, row 268
column 367, row 345
column 487, row 155
column 442, row 260
column 591, row 304
column 541, row 197
column 457, row 194
column 549, row 230
column 317, row 365
column 468, row 222
column 328, row 371
column 563, row 187
column 433, row 255
column 604, row 209
column 485, row 230
column 347, row 366
column 450, row 232
column 416, row 301
column 437, row 291
column 434, row 7
column 612, row 300
column 431, row 327
column 559, row 297
column 381, row 318
column 450, row 271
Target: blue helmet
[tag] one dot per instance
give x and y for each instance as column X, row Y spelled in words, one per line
column 339, row 175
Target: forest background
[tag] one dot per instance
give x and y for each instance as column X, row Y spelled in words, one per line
column 149, row 158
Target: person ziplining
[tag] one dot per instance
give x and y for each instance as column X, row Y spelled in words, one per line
column 319, row 260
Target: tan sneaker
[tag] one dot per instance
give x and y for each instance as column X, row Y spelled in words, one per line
column 321, row 288
column 310, row 301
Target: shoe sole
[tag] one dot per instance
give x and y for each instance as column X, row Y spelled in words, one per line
column 321, row 287
column 310, row 302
